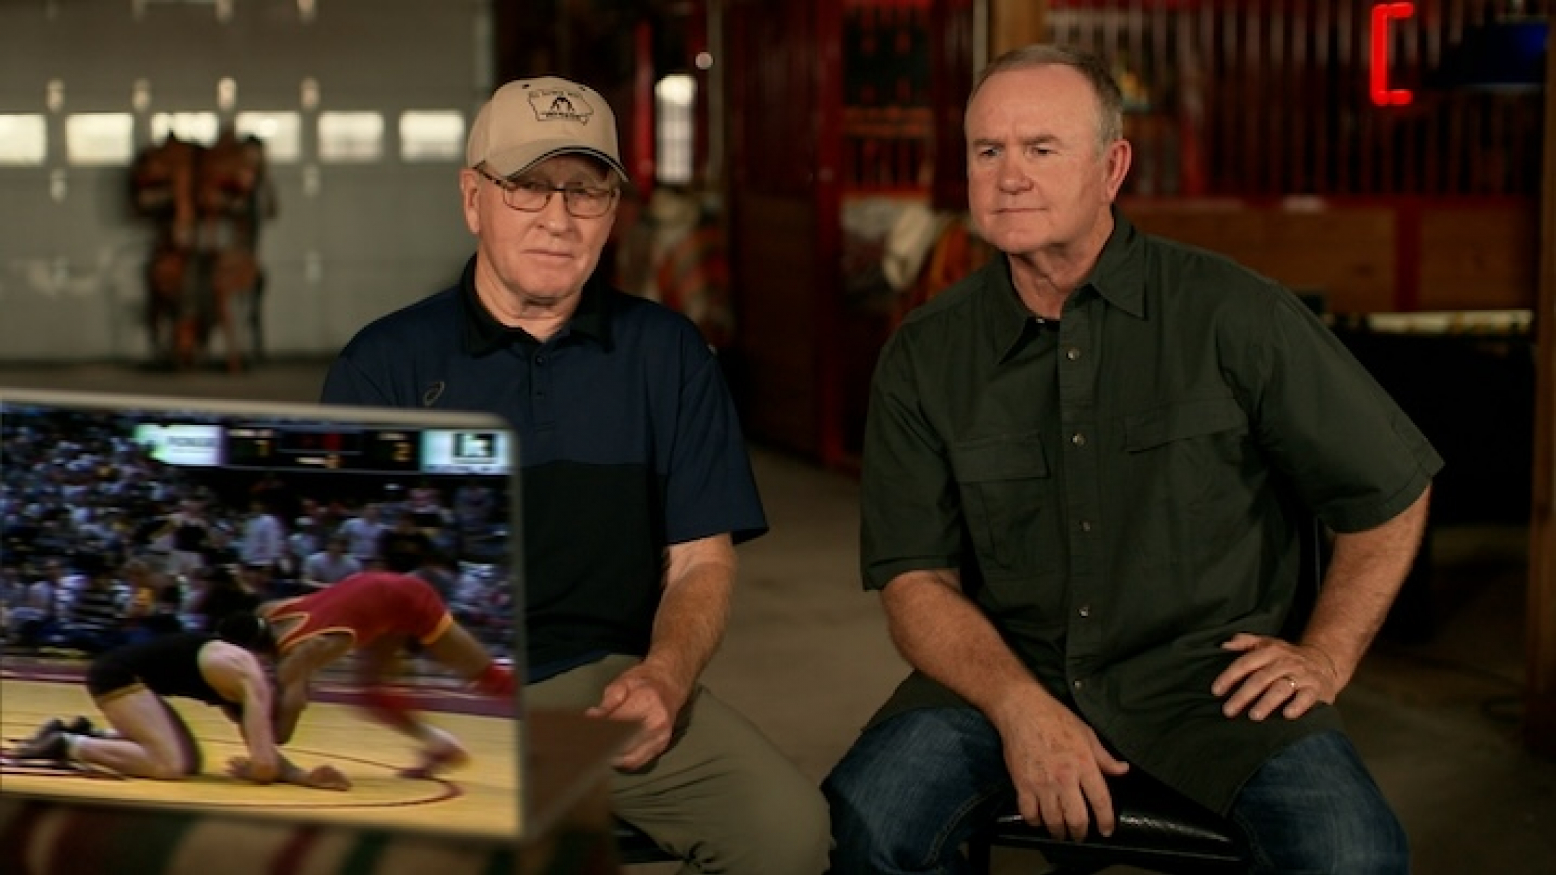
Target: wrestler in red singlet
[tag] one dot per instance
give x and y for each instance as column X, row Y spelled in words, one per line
column 365, row 605
column 376, row 610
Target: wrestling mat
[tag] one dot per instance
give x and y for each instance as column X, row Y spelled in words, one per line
column 478, row 800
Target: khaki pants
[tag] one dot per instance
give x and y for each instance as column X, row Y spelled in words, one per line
column 722, row 797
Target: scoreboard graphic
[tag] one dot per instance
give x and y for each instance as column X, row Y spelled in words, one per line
column 295, row 446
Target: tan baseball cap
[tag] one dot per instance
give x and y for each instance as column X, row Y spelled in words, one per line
column 530, row 120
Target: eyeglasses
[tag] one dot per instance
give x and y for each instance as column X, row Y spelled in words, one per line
column 531, row 196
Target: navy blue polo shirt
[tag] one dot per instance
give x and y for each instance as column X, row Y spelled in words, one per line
column 628, row 442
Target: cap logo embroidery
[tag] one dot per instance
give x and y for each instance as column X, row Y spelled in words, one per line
column 554, row 105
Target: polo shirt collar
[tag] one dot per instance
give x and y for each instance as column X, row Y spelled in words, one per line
column 481, row 333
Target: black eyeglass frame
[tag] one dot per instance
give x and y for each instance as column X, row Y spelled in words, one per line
column 570, row 193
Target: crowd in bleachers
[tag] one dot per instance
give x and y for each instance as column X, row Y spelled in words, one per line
column 101, row 544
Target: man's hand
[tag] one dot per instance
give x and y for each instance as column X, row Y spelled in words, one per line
column 322, row 777
column 698, row 578
column 246, row 769
column 1272, row 673
column 264, row 768
column 648, row 697
column 1058, row 766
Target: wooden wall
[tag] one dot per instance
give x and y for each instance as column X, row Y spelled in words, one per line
column 778, row 364
column 1369, row 255
column 785, row 211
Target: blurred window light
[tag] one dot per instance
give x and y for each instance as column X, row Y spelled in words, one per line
column 222, row 9
column 24, row 139
column 281, row 132
column 100, row 138
column 675, row 102
column 191, row 127
column 432, row 135
column 351, row 137
column 226, row 93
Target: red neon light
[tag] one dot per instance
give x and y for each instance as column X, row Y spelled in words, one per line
column 1382, row 14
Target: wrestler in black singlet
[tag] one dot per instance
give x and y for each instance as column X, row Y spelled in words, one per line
column 168, row 665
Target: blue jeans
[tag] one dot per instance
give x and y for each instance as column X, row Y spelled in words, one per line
column 1313, row 808
column 909, row 793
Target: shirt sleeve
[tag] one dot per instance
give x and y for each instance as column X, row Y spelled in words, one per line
column 1351, row 452
column 347, row 383
column 710, row 488
column 910, row 508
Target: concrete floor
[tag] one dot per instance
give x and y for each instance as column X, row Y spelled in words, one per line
column 808, row 659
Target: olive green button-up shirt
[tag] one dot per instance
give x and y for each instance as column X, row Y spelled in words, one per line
column 1122, row 491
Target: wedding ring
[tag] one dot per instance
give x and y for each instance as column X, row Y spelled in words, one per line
column 1293, row 681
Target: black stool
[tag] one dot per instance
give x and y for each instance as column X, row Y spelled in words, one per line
column 1158, row 829
column 633, row 846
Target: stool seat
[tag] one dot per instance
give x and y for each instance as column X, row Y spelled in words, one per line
column 633, row 846
column 1157, row 829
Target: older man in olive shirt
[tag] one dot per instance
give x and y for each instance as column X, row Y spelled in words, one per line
column 1085, row 470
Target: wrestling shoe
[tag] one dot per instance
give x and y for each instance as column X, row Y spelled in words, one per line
column 53, row 745
column 76, row 726
column 441, row 754
column 54, row 725
column 434, row 764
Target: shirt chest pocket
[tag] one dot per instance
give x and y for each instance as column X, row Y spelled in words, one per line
column 1006, row 487
column 1191, row 451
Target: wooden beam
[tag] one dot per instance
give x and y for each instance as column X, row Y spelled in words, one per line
column 1540, row 689
column 1015, row 23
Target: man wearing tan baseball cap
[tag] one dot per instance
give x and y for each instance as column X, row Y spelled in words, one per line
column 637, row 484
